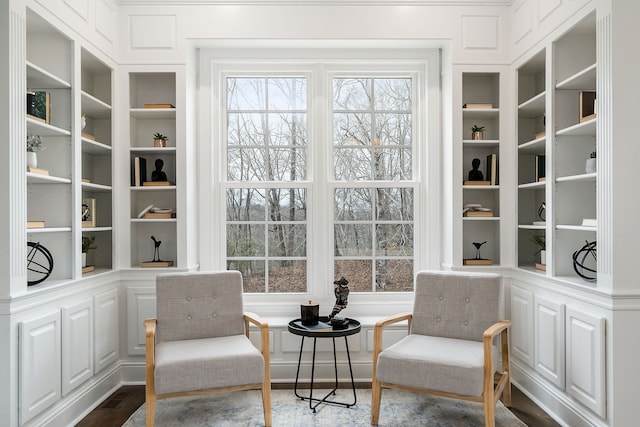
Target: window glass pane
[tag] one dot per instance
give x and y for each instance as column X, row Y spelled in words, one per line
column 287, row 276
column 245, row 240
column 288, row 129
column 394, row 240
column 394, row 204
column 287, row 240
column 394, row 275
column 353, row 164
column 287, row 94
column 351, row 94
column 357, row 272
column 246, row 164
column 246, row 93
column 392, row 94
column 393, row 129
column 352, row 204
column 391, row 164
column 246, row 129
column 287, row 164
column 245, row 204
column 287, row 204
column 253, row 278
column 352, row 129
column 353, row 240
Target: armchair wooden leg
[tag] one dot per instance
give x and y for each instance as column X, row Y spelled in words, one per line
column 489, row 411
column 376, row 394
column 266, row 403
column 506, row 394
column 150, row 400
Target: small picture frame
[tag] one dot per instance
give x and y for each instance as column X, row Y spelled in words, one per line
column 88, row 213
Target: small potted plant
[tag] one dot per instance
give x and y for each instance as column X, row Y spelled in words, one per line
column 88, row 243
column 477, row 133
column 160, row 140
column 34, row 144
column 590, row 166
column 541, row 242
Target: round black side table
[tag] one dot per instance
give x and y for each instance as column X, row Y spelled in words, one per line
column 324, row 330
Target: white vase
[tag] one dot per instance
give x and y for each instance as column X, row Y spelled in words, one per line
column 590, row 166
column 543, row 257
column 84, row 259
column 32, row 159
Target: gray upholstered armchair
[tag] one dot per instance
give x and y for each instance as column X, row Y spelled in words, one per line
column 199, row 342
column 450, row 350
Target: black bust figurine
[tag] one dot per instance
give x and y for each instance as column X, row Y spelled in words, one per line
column 475, row 174
column 158, row 175
column 341, row 291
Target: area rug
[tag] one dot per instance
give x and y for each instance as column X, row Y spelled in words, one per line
column 398, row 408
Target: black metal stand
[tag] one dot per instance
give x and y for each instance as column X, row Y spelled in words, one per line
column 314, row 402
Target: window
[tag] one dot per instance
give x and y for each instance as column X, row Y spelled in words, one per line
column 321, row 175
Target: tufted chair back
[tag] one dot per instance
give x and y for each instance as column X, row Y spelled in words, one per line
column 455, row 304
column 199, row 305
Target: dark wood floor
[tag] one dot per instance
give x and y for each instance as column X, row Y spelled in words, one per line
column 118, row 407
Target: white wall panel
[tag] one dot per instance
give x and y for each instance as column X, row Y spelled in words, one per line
column 585, row 359
column 77, row 344
column 141, row 305
column 106, row 329
column 522, row 328
column 546, row 7
column 152, row 32
column 549, row 340
column 40, row 370
column 480, row 32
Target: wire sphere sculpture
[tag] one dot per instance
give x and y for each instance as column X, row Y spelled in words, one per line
column 585, row 261
column 39, row 263
column 541, row 210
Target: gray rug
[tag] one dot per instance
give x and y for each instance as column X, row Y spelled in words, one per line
column 398, row 408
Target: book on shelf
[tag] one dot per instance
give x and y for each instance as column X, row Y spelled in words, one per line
column 159, row 106
column 539, row 223
column 38, row 171
column 475, row 213
column 157, row 183
column 156, row 264
column 88, row 213
column 590, row 222
column 587, row 105
column 88, row 269
column 138, row 171
column 35, row 224
column 477, row 183
column 159, row 215
column 477, row 106
column 39, row 106
column 540, row 165
column 475, row 261
column 492, row 169
column 539, row 135
column 87, row 136
column 86, row 180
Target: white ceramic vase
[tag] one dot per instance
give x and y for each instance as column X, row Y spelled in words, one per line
column 543, row 257
column 84, row 259
column 32, row 159
column 590, row 166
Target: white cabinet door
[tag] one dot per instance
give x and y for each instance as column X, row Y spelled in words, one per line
column 141, row 305
column 106, row 329
column 522, row 325
column 585, row 359
column 77, row 344
column 39, row 364
column 549, row 345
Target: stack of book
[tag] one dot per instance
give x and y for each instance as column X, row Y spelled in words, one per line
column 476, row 210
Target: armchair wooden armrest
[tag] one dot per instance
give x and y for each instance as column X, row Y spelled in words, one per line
column 264, row 337
column 381, row 324
column 503, row 377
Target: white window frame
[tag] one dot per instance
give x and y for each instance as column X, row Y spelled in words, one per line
column 423, row 63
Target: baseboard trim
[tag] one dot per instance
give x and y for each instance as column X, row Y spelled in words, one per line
column 554, row 402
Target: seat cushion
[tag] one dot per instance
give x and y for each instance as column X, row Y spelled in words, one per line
column 434, row 363
column 207, row 363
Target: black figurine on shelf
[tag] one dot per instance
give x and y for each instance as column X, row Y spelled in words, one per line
column 475, row 174
column 341, row 291
column 478, row 245
column 156, row 249
column 158, row 175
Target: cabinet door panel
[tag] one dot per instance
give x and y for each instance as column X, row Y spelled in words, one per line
column 549, row 360
column 40, row 374
column 585, row 359
column 77, row 345
column 106, row 329
column 522, row 325
column 141, row 305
